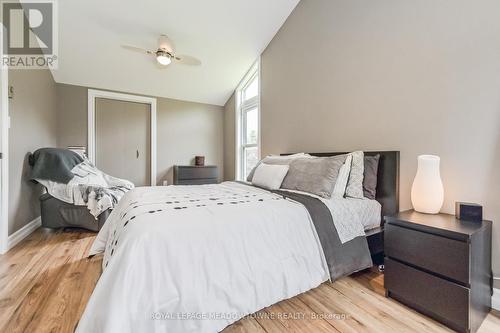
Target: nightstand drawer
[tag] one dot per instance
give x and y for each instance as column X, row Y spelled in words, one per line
column 202, row 181
column 192, row 172
column 444, row 256
column 195, row 175
column 443, row 300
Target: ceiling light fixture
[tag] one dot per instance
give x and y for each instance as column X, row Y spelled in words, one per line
column 163, row 58
column 165, row 53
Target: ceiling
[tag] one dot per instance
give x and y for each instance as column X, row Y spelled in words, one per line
column 226, row 35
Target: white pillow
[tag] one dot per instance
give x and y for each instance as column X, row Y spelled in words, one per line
column 342, row 179
column 269, row 176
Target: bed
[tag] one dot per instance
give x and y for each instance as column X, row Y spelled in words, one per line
column 198, row 258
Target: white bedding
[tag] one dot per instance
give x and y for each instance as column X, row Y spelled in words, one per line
column 197, row 258
column 351, row 216
column 367, row 211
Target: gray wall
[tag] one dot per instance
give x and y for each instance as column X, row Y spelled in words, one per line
column 33, row 125
column 415, row 76
column 184, row 129
column 229, row 139
column 71, row 115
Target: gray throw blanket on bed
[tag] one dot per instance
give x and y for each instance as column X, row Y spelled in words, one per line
column 53, row 164
column 342, row 259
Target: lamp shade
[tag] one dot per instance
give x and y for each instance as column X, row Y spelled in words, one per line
column 427, row 192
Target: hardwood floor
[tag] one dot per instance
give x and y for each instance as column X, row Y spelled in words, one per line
column 46, row 281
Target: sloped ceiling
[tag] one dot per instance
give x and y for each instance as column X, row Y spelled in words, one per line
column 226, row 35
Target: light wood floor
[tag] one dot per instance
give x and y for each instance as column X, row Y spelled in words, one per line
column 46, row 281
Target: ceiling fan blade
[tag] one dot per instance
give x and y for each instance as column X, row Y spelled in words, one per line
column 137, row 49
column 166, row 44
column 186, row 60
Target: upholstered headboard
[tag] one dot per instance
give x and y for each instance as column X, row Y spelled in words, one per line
column 388, row 179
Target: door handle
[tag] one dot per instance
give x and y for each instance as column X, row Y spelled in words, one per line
column 137, row 153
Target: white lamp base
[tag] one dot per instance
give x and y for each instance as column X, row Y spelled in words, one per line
column 427, row 193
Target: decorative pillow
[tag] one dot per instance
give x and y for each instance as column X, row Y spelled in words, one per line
column 343, row 177
column 314, row 175
column 269, row 176
column 354, row 187
column 276, row 159
column 370, row 176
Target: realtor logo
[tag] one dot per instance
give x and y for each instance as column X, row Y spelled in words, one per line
column 30, row 35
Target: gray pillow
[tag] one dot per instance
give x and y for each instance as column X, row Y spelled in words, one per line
column 276, row 159
column 370, row 176
column 354, row 187
column 314, row 175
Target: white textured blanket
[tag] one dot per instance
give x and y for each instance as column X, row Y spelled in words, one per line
column 89, row 187
column 351, row 216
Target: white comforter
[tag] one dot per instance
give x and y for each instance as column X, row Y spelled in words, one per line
column 197, row 258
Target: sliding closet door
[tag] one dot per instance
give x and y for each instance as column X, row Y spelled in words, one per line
column 123, row 140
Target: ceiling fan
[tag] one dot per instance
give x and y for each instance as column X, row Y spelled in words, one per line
column 165, row 53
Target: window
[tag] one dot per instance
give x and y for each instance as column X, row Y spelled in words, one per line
column 248, row 114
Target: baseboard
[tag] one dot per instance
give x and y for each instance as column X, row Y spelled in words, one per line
column 495, row 299
column 24, row 232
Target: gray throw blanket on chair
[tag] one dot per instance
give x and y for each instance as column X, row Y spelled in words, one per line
column 72, row 178
column 53, row 164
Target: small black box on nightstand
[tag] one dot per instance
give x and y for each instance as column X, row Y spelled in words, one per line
column 469, row 211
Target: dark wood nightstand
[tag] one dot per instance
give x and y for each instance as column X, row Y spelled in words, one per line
column 440, row 266
column 195, row 175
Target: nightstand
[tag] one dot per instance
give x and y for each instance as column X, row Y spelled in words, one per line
column 440, row 266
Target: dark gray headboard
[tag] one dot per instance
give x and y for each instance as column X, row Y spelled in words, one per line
column 388, row 179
